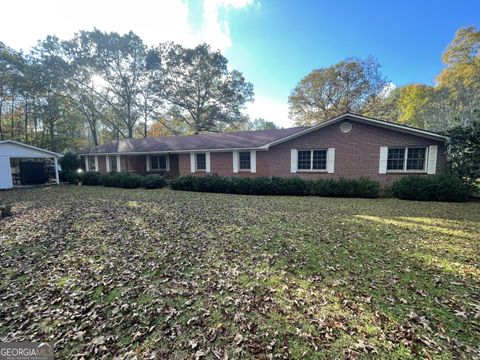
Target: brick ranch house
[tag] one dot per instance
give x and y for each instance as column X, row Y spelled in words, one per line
column 347, row 146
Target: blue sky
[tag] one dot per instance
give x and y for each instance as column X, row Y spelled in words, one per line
column 279, row 42
column 273, row 42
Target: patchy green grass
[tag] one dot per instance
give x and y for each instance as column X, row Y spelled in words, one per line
column 109, row 272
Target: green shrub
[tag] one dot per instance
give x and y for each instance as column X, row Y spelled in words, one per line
column 242, row 185
column 111, row 179
column 184, row 183
column 363, row 187
column 430, row 188
column 73, row 177
column 92, row 178
column 128, row 180
column 69, row 162
column 154, row 182
column 266, row 186
column 295, row 186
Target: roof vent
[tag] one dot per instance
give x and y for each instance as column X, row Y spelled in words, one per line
column 346, row 127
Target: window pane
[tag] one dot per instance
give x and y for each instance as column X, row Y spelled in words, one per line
column 244, row 160
column 395, row 159
column 113, row 163
column 201, row 162
column 162, row 162
column 304, row 157
column 319, row 159
column 154, row 162
column 416, row 158
column 91, row 161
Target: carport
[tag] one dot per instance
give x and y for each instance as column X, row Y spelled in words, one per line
column 11, row 151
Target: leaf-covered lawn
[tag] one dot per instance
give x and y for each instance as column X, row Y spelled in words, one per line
column 105, row 272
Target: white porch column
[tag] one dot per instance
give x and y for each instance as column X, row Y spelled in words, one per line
column 57, row 178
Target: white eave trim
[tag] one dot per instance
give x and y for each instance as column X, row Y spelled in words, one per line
column 53, row 154
column 259, row 148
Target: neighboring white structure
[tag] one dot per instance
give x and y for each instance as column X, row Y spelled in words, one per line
column 13, row 149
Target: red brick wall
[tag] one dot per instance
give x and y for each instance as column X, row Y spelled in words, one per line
column 137, row 164
column 357, row 154
column 221, row 163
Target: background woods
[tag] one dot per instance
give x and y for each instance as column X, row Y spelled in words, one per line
column 358, row 86
column 98, row 87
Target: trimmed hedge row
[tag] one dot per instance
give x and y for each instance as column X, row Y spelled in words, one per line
column 363, row 187
column 431, row 188
column 124, row 180
column 423, row 188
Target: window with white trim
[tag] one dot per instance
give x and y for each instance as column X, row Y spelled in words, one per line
column 406, row 159
column 312, row 159
column 244, row 160
column 201, row 161
column 158, row 162
column 91, row 163
column 113, row 163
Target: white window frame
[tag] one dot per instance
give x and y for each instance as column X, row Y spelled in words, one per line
column 151, row 169
column 109, row 160
column 193, row 162
column 311, row 161
column 88, row 163
column 239, row 162
column 405, row 160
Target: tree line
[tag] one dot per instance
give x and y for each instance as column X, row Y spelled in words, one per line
column 98, row 87
column 358, row 86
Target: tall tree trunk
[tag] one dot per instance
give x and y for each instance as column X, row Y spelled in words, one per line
column 1, row 128
column 11, row 119
column 145, row 128
column 26, row 117
column 93, row 130
column 52, row 135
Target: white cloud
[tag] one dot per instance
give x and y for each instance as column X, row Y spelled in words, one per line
column 387, row 89
column 271, row 110
column 153, row 20
column 216, row 30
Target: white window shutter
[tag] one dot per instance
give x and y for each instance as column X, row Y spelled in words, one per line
column 235, row 162
column 432, row 159
column 207, row 162
column 167, row 162
column 331, row 160
column 148, row 162
column 87, row 167
column 119, row 164
column 96, row 163
column 192, row 162
column 253, row 161
column 382, row 166
column 293, row 160
column 107, row 163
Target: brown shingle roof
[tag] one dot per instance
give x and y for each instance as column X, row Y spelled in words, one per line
column 206, row 141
